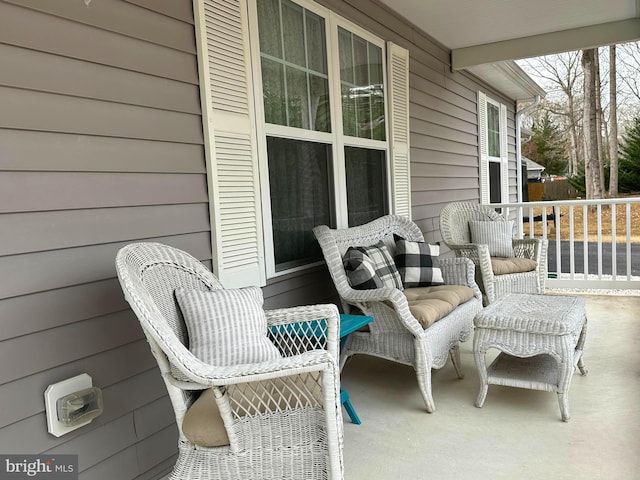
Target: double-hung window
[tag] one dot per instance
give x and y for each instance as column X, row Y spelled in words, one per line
column 324, row 135
column 305, row 122
column 494, row 166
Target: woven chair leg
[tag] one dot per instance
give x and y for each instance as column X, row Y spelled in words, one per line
column 455, row 359
column 424, row 382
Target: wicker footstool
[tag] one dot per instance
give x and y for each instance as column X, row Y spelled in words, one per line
column 540, row 337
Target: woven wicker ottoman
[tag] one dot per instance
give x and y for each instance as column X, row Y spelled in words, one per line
column 540, row 337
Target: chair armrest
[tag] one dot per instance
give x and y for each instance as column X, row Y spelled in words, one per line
column 305, row 324
column 478, row 253
column 460, row 271
column 205, row 376
column 530, row 247
column 393, row 298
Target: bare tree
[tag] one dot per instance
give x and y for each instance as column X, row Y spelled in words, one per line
column 613, row 124
column 563, row 72
column 600, row 124
column 629, row 60
column 592, row 167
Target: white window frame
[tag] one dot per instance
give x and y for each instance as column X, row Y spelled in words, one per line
column 235, row 135
column 483, row 146
column 336, row 138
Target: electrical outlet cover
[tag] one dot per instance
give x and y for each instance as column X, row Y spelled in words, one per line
column 57, row 391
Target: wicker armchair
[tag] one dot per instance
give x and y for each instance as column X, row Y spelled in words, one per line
column 395, row 334
column 454, row 226
column 280, row 418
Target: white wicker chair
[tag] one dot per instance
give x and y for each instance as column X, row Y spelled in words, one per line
column 454, row 226
column 286, row 429
column 395, row 334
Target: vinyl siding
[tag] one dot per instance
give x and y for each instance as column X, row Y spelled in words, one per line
column 101, row 144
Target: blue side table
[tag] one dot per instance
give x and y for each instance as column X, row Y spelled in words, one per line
column 349, row 324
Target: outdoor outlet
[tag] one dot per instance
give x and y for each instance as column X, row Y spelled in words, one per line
column 71, row 404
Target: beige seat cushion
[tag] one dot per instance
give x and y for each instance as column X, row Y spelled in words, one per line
column 503, row 266
column 430, row 304
column 203, row 425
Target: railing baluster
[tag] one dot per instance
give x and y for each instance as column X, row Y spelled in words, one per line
column 614, row 260
column 585, row 239
column 599, row 217
column 572, row 267
column 558, row 236
column 628, row 225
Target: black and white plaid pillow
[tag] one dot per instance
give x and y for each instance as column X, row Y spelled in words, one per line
column 418, row 263
column 383, row 263
column 361, row 271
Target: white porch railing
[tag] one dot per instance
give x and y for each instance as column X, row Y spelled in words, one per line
column 592, row 243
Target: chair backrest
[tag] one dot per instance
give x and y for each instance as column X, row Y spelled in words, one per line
column 149, row 273
column 454, row 220
column 335, row 242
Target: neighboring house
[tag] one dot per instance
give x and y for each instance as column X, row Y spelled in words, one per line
column 534, row 170
column 104, row 141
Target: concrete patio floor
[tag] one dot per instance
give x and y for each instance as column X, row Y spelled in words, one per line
column 518, row 433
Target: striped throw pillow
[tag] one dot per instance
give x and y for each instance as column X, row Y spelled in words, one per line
column 497, row 235
column 226, row 327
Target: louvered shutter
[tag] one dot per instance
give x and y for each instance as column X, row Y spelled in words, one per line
column 398, row 80
column 504, row 155
column 483, row 147
column 232, row 167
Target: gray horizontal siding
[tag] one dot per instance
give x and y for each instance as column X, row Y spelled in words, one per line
column 29, row 110
column 125, row 18
column 59, row 36
column 46, row 270
column 46, row 151
column 101, row 144
column 40, row 191
column 33, row 70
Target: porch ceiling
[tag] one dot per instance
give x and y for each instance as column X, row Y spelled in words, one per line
column 488, row 31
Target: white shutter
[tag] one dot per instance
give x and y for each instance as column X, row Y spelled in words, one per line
column 398, row 91
column 232, row 167
column 483, row 147
column 504, row 155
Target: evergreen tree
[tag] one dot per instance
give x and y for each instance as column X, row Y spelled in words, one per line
column 547, row 147
column 629, row 161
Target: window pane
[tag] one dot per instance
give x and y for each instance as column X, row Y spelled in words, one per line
column 295, row 83
column 320, row 112
column 297, row 98
column 293, row 33
column 270, row 39
column 346, row 56
column 317, row 54
column 493, row 127
column 495, row 185
column 362, row 87
column 299, row 179
column 366, row 184
column 273, row 92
